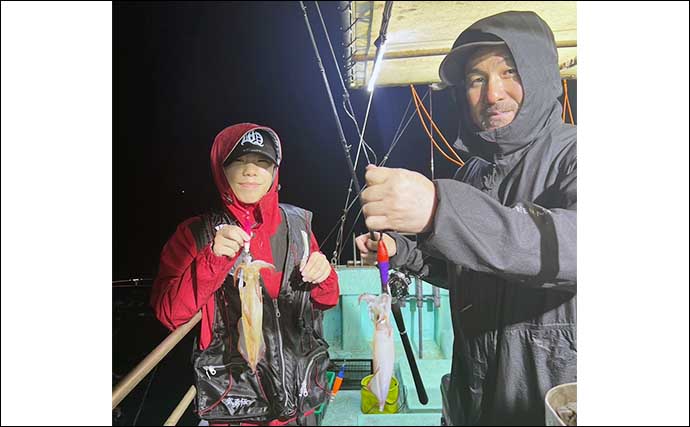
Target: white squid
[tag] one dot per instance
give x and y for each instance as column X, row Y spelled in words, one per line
column 251, row 339
column 384, row 350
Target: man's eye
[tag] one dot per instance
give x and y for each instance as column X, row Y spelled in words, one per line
column 473, row 81
column 511, row 71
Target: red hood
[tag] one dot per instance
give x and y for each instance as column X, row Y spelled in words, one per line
column 265, row 212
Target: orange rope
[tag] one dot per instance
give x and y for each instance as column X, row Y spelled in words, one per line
column 423, row 107
column 420, row 107
column 567, row 100
column 566, row 103
column 416, row 102
column 432, row 139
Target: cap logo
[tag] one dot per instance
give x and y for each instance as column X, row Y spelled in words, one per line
column 253, row 138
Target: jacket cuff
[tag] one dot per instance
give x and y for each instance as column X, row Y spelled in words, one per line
column 214, row 264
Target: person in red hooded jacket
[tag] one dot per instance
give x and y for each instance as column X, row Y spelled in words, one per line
column 196, row 273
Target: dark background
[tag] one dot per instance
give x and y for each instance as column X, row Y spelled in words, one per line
column 182, row 73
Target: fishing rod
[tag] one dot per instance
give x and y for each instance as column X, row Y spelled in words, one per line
column 347, row 106
column 341, row 134
column 130, row 283
column 395, row 306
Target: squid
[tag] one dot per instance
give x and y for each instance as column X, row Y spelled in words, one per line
column 251, row 338
column 384, row 350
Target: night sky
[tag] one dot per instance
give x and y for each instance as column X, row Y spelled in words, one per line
column 185, row 71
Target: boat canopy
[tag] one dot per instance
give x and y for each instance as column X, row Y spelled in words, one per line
column 421, row 33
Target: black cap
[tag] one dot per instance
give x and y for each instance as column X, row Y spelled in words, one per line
column 256, row 141
column 452, row 68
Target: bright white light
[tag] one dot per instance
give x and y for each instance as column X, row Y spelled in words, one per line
column 377, row 67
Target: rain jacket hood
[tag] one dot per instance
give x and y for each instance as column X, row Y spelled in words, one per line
column 533, row 47
column 264, row 213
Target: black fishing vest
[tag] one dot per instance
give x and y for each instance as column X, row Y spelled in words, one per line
column 291, row 377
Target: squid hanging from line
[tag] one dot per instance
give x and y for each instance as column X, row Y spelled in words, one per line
column 384, row 349
column 251, row 338
column 248, row 280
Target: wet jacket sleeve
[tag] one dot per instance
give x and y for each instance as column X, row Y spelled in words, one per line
column 325, row 294
column 406, row 255
column 187, row 277
column 409, row 257
column 524, row 242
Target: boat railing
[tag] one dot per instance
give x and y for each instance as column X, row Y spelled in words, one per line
column 134, row 377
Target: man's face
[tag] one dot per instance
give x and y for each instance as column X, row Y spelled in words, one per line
column 250, row 176
column 492, row 87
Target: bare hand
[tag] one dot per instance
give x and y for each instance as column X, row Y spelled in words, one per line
column 368, row 248
column 316, row 269
column 398, row 199
column 229, row 240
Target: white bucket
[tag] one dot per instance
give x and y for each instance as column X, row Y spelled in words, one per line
column 555, row 398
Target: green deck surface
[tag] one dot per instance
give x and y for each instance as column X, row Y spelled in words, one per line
column 356, row 343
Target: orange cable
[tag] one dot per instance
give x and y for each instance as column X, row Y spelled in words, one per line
column 458, row 162
column 432, row 139
column 418, row 103
column 426, row 129
column 414, row 91
column 570, row 110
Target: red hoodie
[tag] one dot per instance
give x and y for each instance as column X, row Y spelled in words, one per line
column 189, row 276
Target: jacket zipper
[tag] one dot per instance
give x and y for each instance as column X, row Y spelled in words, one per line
column 211, row 369
column 280, row 345
column 305, row 299
column 277, row 311
column 303, row 392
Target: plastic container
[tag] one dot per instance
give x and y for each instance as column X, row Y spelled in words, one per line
column 321, row 410
column 557, row 397
column 355, row 371
column 370, row 404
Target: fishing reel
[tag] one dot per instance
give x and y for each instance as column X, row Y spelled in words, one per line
column 398, row 284
column 400, row 281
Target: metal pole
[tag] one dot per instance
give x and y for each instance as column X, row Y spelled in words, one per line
column 354, row 250
column 420, row 310
column 437, row 296
column 402, row 54
column 431, row 146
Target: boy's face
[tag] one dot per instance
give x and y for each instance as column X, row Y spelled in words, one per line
column 250, row 176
